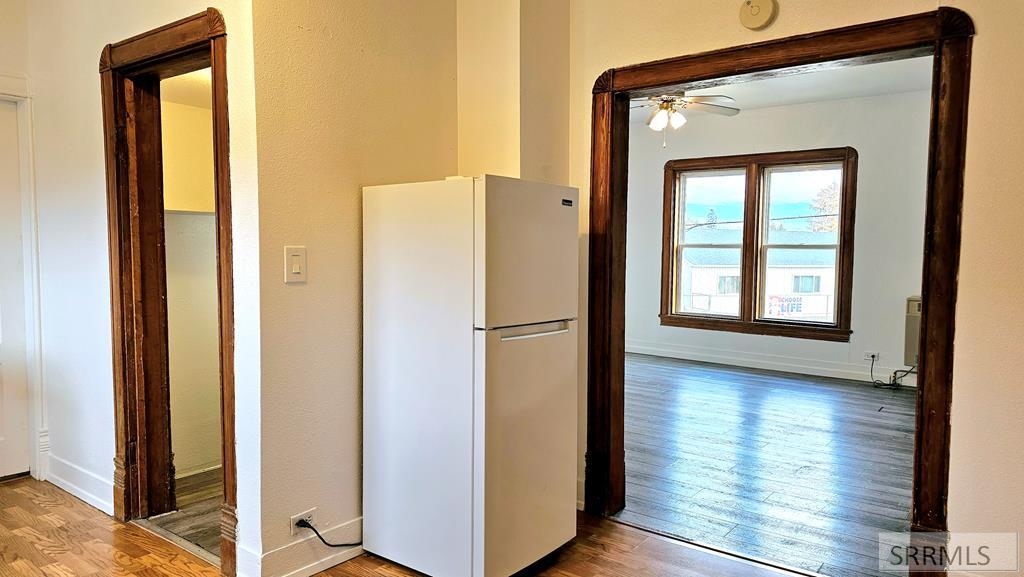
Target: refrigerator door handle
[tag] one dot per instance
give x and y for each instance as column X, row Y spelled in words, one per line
column 546, row 330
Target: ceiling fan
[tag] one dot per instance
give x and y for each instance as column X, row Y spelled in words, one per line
column 665, row 109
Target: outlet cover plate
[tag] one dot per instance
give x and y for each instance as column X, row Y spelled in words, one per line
column 868, row 355
column 309, row 515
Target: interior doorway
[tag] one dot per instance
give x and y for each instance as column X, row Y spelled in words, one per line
column 165, row 123
column 809, row 304
column 15, row 443
column 193, row 345
column 770, row 349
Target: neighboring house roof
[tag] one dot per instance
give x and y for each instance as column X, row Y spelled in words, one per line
column 776, row 257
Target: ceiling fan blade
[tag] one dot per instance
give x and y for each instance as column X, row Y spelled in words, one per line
column 712, row 98
column 641, row 106
column 712, row 108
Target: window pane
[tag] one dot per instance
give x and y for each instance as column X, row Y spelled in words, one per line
column 700, row 273
column 800, row 285
column 803, row 204
column 711, row 207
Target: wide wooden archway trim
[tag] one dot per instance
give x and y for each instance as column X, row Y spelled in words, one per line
column 946, row 33
column 130, row 73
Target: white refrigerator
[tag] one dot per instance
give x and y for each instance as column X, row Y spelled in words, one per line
column 470, row 300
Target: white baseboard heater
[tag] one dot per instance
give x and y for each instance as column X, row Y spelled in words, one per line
column 912, row 335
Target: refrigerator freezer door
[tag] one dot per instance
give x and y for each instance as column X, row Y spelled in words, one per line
column 526, row 252
column 526, row 408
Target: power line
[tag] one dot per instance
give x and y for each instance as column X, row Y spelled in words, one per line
column 699, row 224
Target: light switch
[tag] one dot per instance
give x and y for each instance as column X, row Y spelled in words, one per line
column 294, row 264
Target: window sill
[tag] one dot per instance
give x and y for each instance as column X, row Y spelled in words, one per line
column 778, row 329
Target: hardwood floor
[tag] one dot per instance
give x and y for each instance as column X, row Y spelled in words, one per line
column 799, row 471
column 197, row 519
column 45, row 532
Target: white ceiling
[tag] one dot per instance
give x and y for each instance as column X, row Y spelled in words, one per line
column 891, row 77
column 193, row 89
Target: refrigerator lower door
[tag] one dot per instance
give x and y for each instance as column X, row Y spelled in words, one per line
column 525, row 409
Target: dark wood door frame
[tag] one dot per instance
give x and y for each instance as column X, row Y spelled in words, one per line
column 946, row 33
column 130, row 73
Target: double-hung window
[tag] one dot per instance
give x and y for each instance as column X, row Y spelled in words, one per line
column 761, row 243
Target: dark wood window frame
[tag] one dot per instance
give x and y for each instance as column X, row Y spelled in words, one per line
column 946, row 34
column 130, row 74
column 748, row 321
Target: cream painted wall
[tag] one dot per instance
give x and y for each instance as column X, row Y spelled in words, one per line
column 13, row 42
column 986, row 480
column 187, row 134
column 190, row 246
column 349, row 94
column 513, row 89
column 64, row 43
column 488, row 34
column 890, row 134
column 544, row 85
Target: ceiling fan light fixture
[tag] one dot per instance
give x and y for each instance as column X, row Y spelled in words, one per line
column 676, row 119
column 660, row 120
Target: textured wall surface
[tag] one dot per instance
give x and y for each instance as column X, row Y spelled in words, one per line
column 364, row 93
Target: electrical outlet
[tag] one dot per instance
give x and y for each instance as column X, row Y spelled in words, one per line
column 868, row 355
column 307, row 515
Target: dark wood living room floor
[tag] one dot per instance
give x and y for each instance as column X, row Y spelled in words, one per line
column 796, row 470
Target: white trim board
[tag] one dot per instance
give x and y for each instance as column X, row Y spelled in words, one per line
column 85, row 485
column 308, row 556
column 804, row 366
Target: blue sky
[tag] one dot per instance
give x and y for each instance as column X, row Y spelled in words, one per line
column 791, row 194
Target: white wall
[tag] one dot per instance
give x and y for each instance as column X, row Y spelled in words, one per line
column 64, row 43
column 193, row 340
column 350, row 94
column 890, row 134
column 986, row 486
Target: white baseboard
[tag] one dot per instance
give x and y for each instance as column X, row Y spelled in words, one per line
column 41, row 466
column 804, row 366
column 204, row 468
column 86, row 485
column 247, row 562
column 309, row 556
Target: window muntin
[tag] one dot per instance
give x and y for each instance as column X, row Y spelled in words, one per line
column 778, row 225
column 709, row 240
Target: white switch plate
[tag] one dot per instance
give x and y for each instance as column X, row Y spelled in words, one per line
column 294, row 264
